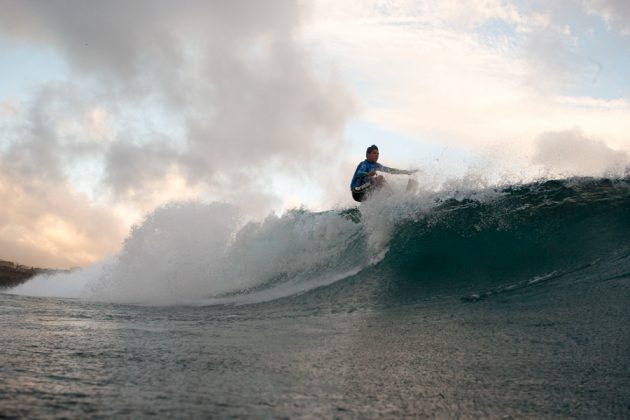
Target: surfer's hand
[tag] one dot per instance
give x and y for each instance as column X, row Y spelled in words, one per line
column 372, row 173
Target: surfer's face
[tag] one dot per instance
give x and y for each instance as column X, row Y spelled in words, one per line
column 373, row 156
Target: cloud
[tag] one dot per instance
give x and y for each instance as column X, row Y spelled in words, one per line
column 229, row 74
column 552, row 61
column 495, row 78
column 46, row 224
column 195, row 98
column 9, row 107
column 570, row 152
column 616, row 12
column 44, row 219
column 450, row 13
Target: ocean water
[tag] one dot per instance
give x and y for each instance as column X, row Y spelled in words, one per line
column 511, row 301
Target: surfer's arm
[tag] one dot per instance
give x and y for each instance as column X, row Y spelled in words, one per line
column 363, row 171
column 395, row 171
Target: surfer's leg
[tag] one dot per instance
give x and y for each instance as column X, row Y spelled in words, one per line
column 379, row 181
column 361, row 192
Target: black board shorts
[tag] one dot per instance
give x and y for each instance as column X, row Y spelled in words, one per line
column 362, row 192
column 358, row 196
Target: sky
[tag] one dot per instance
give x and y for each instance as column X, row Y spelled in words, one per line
column 109, row 110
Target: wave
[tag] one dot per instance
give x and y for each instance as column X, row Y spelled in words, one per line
column 525, row 236
column 472, row 243
column 190, row 252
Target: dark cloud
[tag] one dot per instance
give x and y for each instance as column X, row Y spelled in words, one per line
column 124, row 173
column 230, row 74
column 36, row 144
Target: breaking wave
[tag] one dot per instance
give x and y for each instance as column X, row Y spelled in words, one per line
column 470, row 243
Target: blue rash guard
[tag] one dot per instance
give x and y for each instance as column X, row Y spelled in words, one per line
column 361, row 180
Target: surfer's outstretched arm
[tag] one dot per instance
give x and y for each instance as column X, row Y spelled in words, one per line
column 395, row 171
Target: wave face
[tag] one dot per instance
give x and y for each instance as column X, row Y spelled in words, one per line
column 394, row 249
column 569, row 230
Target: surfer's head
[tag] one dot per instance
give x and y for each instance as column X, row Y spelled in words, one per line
column 372, row 153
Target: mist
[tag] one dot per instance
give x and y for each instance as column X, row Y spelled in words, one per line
column 571, row 152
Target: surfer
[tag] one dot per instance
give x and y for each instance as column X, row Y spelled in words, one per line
column 365, row 179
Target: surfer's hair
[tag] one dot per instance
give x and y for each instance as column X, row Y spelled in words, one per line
column 371, row 149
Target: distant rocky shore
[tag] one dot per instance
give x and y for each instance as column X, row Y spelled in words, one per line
column 12, row 274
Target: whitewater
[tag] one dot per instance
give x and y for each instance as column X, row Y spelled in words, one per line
column 486, row 301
